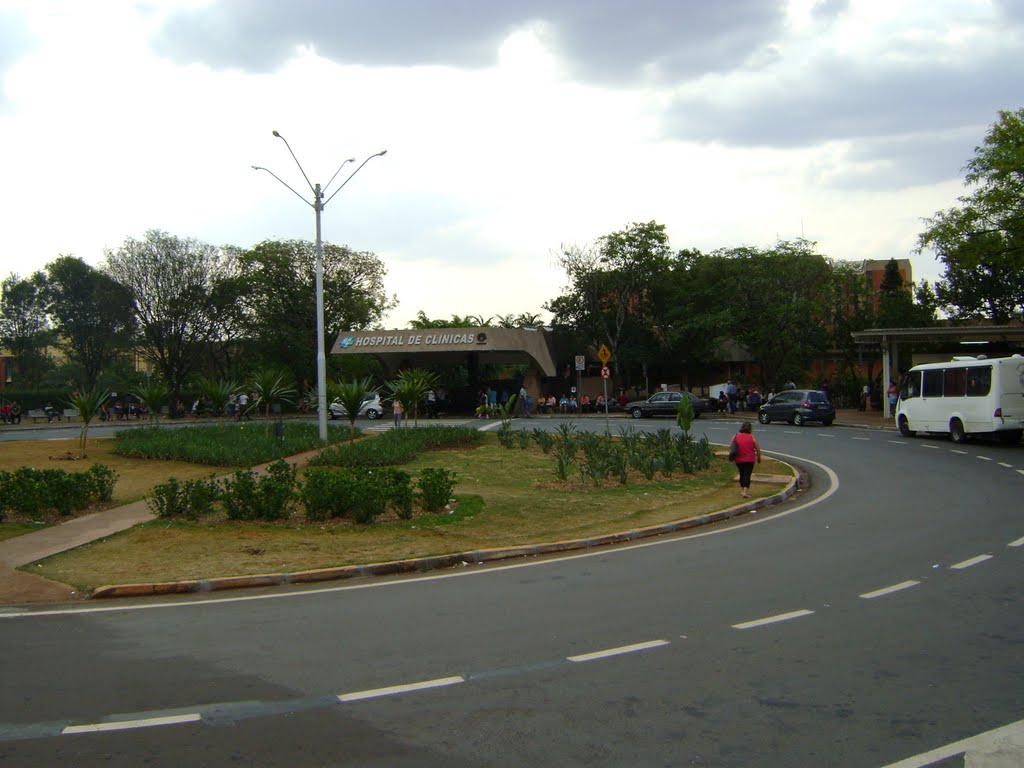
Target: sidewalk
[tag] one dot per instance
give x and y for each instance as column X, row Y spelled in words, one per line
column 21, row 588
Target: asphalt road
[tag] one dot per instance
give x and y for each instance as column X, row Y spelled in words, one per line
column 877, row 618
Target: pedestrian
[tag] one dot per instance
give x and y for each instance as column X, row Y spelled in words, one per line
column 243, row 406
column 524, row 402
column 397, row 409
column 731, row 392
column 894, row 395
column 745, row 451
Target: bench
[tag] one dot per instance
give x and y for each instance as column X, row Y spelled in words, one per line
column 70, row 413
column 37, row 413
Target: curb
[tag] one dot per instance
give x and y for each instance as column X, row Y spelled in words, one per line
column 414, row 565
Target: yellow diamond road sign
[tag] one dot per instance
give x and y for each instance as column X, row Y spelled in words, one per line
column 604, row 354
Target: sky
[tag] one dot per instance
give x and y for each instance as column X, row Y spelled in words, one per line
column 513, row 128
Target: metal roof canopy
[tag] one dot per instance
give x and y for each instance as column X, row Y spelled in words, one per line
column 890, row 339
column 450, row 346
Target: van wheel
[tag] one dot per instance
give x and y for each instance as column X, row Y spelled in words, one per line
column 905, row 429
column 956, row 431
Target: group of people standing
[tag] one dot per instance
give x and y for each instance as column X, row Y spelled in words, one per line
column 10, row 412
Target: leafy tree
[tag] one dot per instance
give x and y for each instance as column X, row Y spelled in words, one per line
column 271, row 387
column 91, row 313
column 152, row 396
column 896, row 305
column 981, row 241
column 410, row 388
column 24, row 326
column 609, row 299
column 170, row 281
column 350, row 396
column 279, row 299
column 218, row 393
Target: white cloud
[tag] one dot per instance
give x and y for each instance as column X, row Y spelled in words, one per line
column 510, row 129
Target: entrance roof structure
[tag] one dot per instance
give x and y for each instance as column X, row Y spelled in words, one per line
column 968, row 333
column 450, row 346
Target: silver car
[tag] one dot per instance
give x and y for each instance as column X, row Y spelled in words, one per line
column 370, row 408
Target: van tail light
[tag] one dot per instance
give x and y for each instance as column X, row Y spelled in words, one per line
column 998, row 414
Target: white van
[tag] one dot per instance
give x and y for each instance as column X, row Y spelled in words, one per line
column 966, row 396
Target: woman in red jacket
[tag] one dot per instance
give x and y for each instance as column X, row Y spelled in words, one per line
column 745, row 452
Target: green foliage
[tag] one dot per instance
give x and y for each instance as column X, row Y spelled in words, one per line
column 357, row 494
column 246, row 497
column 218, row 394
column 270, row 387
column 396, row 446
column 544, row 439
column 33, row 491
column 25, row 328
column 226, row 445
column 152, row 396
column 192, row 500
column 435, row 487
column 88, row 404
column 397, row 488
column 351, row 395
column 684, row 413
column 506, row 436
column 410, row 388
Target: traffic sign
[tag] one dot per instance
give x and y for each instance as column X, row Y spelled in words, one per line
column 581, row 363
column 604, row 354
column 605, row 373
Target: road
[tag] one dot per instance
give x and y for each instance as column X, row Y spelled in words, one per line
column 875, row 619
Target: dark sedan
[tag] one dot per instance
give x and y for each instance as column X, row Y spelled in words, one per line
column 665, row 404
column 798, row 406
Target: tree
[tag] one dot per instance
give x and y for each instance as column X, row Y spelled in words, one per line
column 609, row 299
column 24, row 326
column 981, row 241
column 280, row 300
column 896, row 305
column 351, row 395
column 88, row 404
column 170, row 282
column 91, row 313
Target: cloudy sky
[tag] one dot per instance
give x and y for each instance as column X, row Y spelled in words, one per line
column 512, row 127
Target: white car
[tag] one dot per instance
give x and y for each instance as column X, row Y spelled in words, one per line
column 370, row 408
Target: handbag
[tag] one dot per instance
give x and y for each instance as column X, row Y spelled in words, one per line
column 733, row 450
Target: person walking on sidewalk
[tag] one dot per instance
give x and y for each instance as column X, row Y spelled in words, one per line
column 745, row 451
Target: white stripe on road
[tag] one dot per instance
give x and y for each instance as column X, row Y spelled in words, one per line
column 618, row 651
column 954, row 450
column 973, row 561
column 1004, row 464
column 393, row 690
column 124, row 725
column 772, row 619
column 932, row 447
column 897, row 442
column 824, row 435
column 1018, row 543
column 889, row 590
column 984, row 458
column 865, row 439
column 1020, row 471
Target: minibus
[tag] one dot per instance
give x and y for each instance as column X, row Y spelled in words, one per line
column 966, row 396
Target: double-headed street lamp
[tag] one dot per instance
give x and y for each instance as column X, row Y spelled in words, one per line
column 318, row 205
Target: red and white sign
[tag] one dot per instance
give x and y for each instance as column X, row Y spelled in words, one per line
column 605, row 373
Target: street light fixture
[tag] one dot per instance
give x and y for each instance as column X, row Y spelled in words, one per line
column 318, row 205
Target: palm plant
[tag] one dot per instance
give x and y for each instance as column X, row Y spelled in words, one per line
column 88, row 404
column 152, row 396
column 218, row 392
column 410, row 388
column 270, row 387
column 351, row 395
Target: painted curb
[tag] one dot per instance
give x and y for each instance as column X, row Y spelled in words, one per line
column 436, row 562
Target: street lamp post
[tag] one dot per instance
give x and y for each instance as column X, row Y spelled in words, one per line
column 318, row 205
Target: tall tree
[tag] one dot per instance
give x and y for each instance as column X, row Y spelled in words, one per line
column 981, row 241
column 896, row 305
column 170, row 281
column 24, row 326
column 280, row 299
column 91, row 313
column 610, row 296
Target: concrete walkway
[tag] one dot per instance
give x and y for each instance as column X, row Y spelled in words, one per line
column 22, row 588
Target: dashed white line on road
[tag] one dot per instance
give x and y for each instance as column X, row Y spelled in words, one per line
column 618, row 651
column 1004, row 464
column 124, row 725
column 889, row 590
column 1018, row 543
column 984, row 458
column 898, row 442
column 1020, row 471
column 829, row 436
column 972, row 561
column 954, row 450
column 393, row 690
column 865, row 439
column 772, row 619
column 932, row 447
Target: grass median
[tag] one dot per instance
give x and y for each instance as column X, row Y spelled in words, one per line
column 504, row 497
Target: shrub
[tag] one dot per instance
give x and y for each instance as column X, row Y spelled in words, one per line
column 396, row 446
column 544, row 439
column 102, row 480
column 31, row 491
column 436, row 485
column 268, row 498
column 399, row 492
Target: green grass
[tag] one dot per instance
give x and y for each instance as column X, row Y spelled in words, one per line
column 232, row 444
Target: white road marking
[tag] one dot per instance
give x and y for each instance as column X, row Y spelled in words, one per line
column 617, row 651
column 865, row 439
column 1004, row 464
column 984, row 458
column 1020, row 471
column 1002, row 744
column 932, row 447
column 772, row 619
column 829, row 436
column 897, row 442
column 889, row 590
column 1018, row 543
column 954, row 450
column 393, row 690
column 973, row 561
column 124, row 725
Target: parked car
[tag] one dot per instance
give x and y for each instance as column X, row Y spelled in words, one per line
column 370, row 408
column 798, row 406
column 665, row 404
